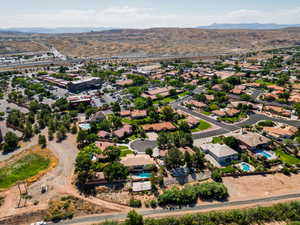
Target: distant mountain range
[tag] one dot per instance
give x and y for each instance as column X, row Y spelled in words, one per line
column 61, row 30
column 251, row 26
column 58, row 30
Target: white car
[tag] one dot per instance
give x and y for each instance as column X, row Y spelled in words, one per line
column 40, row 223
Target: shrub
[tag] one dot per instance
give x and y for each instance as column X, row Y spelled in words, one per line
column 190, row 193
column 135, row 203
column 153, row 203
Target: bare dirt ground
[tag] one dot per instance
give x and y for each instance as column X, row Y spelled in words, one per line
column 58, row 181
column 250, row 187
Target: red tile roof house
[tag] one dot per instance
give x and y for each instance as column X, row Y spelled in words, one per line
column 196, row 104
column 275, row 87
column 278, row 110
column 236, row 91
column 164, row 92
column 281, row 132
column 102, row 145
column 192, row 121
column 124, row 82
column 125, row 113
column 138, row 162
column 157, row 127
column 218, row 113
column 138, row 114
column 232, row 112
column 103, row 134
column 123, row 131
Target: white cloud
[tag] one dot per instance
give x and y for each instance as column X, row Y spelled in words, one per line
column 143, row 17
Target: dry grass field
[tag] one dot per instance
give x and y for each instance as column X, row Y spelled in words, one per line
column 157, row 41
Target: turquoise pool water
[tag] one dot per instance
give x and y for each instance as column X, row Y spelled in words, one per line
column 264, row 153
column 144, row 175
column 246, row 167
column 85, row 126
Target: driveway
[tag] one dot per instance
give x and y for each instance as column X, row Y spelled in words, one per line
column 141, row 145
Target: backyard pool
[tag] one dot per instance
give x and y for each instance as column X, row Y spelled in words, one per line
column 246, row 167
column 85, row 126
column 143, row 175
column 266, row 154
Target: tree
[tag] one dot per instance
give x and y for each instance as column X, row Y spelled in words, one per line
column 216, row 175
column 115, row 171
column 74, row 129
column 116, row 107
column 184, row 126
column 174, row 159
column 232, row 142
column 149, row 152
column 167, row 113
column 198, row 159
column 133, row 218
column 42, row 141
column 163, row 140
column 10, row 141
column 188, row 159
column 113, row 153
column 28, row 132
column 50, row 135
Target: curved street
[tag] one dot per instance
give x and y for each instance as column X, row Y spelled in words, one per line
column 141, row 145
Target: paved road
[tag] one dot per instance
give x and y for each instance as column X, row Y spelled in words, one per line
column 102, row 218
column 140, row 146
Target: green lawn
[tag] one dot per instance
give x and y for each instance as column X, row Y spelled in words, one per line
column 233, row 119
column 206, row 113
column 264, row 82
column 287, row 158
column 28, row 166
column 184, row 94
column 125, row 151
column 228, row 169
column 203, row 125
column 216, row 140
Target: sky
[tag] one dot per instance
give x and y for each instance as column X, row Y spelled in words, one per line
column 145, row 13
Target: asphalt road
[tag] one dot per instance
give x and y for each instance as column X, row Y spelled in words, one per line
column 102, row 218
column 141, row 146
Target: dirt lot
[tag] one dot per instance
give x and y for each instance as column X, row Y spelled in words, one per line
column 249, row 187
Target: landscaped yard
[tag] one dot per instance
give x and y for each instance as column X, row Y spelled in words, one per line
column 287, row 158
column 25, row 167
column 203, row 125
column 264, row 82
column 125, row 151
column 233, row 119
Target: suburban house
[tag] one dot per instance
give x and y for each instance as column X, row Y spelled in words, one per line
column 223, row 154
column 157, row 127
column 192, row 121
column 138, row 114
column 103, row 134
column 123, row 131
column 124, row 82
column 281, row 132
column 98, row 116
column 163, row 92
column 232, row 112
column 196, row 104
column 102, row 145
column 252, row 140
column 278, row 110
column 136, row 163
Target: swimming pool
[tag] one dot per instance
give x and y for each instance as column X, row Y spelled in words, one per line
column 245, row 167
column 85, row 126
column 143, row 175
column 264, row 153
